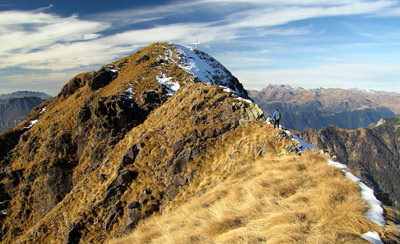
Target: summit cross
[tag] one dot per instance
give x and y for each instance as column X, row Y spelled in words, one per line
column 197, row 43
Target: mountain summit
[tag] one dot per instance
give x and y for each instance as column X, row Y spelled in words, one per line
column 152, row 134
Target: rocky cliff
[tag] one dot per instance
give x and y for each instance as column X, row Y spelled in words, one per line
column 374, row 152
column 317, row 108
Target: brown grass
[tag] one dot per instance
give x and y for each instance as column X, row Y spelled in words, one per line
column 270, row 200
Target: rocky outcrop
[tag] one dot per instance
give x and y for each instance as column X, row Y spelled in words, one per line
column 375, row 152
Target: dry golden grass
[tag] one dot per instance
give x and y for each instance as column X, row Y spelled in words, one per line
column 268, row 200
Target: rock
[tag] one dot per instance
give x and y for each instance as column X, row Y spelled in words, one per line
column 84, row 114
column 124, row 178
column 118, row 186
column 132, row 219
column 133, row 205
column 73, row 85
column 181, row 160
column 100, row 79
column 150, row 208
column 290, row 149
column 112, row 216
column 128, row 158
column 142, row 59
column 74, row 234
column 178, row 146
column 172, row 192
column 384, row 198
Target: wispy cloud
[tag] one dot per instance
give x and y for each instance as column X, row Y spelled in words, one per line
column 36, row 39
column 41, row 40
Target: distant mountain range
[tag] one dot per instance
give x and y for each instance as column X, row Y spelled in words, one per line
column 316, row 108
column 20, row 94
column 14, row 107
column 375, row 152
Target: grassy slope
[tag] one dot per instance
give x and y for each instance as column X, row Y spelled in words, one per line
column 255, row 196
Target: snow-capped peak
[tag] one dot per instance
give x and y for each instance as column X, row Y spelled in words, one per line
column 204, row 68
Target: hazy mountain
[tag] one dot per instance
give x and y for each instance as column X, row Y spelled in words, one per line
column 14, row 110
column 20, row 94
column 316, row 108
column 168, row 132
column 375, row 152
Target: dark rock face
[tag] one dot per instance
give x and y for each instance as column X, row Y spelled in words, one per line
column 73, row 85
column 376, row 152
column 100, row 79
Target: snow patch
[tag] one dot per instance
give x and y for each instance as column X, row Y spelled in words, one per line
column 31, row 123
column 3, row 212
column 243, row 99
column 372, row 236
column 42, row 110
column 171, row 86
column 4, row 202
column 128, row 95
column 375, row 213
column 112, row 68
column 337, row 164
column 304, row 145
column 201, row 65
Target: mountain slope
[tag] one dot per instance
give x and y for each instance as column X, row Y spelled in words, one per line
column 147, row 134
column 317, row 108
column 375, row 152
column 66, row 144
column 249, row 194
column 14, row 110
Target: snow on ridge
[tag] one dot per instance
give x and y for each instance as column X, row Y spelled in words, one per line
column 304, row 145
column 202, row 66
column 374, row 213
column 112, row 68
column 31, row 123
column 171, row 86
column 372, row 236
column 128, row 96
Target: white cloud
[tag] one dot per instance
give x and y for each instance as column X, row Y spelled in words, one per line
column 24, row 35
column 33, row 39
column 39, row 40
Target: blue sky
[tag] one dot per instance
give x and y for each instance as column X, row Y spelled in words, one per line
column 310, row 44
